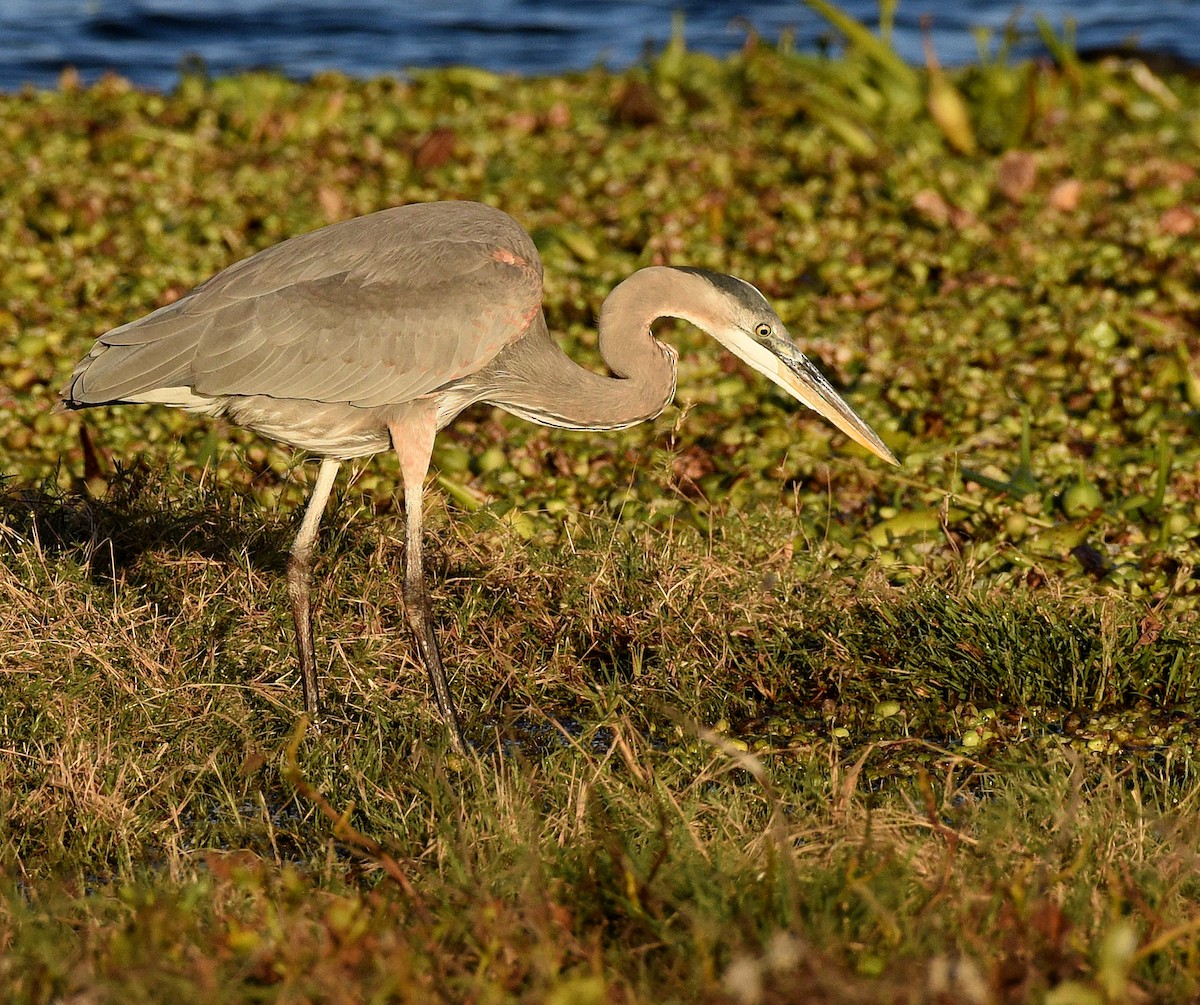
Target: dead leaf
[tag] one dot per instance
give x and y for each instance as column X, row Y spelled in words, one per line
column 331, row 202
column 1016, row 175
column 1151, row 627
column 437, row 149
column 932, row 207
column 1064, row 197
column 638, row 105
column 1178, row 221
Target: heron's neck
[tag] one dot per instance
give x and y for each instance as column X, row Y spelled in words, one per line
column 535, row 379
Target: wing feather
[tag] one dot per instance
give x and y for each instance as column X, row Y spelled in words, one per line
column 377, row 310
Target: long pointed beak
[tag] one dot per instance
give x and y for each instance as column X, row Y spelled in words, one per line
column 795, row 373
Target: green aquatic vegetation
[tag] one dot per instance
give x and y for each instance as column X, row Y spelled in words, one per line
column 758, row 720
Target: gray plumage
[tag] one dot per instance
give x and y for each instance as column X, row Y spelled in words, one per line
column 366, row 313
column 376, row 332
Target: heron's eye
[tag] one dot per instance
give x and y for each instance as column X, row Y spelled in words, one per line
column 762, row 330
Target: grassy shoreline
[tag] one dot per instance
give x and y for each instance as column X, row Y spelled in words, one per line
column 826, row 732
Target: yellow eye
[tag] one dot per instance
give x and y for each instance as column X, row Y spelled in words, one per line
column 762, row 330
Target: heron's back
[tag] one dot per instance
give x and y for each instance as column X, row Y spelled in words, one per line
column 311, row 340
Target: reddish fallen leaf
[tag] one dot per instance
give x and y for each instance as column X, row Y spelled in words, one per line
column 637, row 105
column 1016, row 174
column 1151, row 627
column 1064, row 197
column 437, row 149
column 932, row 206
column 331, row 202
column 559, row 116
column 1178, row 221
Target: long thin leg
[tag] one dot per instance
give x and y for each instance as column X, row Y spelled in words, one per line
column 299, row 580
column 413, row 442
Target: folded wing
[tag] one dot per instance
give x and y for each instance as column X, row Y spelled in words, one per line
column 377, row 310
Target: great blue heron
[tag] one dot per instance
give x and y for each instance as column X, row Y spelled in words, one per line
column 378, row 331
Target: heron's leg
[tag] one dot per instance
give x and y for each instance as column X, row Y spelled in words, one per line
column 412, row 438
column 299, row 579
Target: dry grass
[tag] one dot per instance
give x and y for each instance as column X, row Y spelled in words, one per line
column 643, row 820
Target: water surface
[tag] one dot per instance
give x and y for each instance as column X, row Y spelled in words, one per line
column 146, row 40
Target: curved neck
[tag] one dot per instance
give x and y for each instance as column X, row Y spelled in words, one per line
column 635, row 304
column 536, row 380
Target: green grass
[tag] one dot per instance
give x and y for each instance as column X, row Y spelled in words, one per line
column 755, row 719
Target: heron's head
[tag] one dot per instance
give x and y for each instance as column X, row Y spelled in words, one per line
column 739, row 317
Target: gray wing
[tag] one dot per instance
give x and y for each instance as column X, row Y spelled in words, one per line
column 373, row 311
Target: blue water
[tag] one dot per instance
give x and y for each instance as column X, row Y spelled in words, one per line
column 145, row 40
